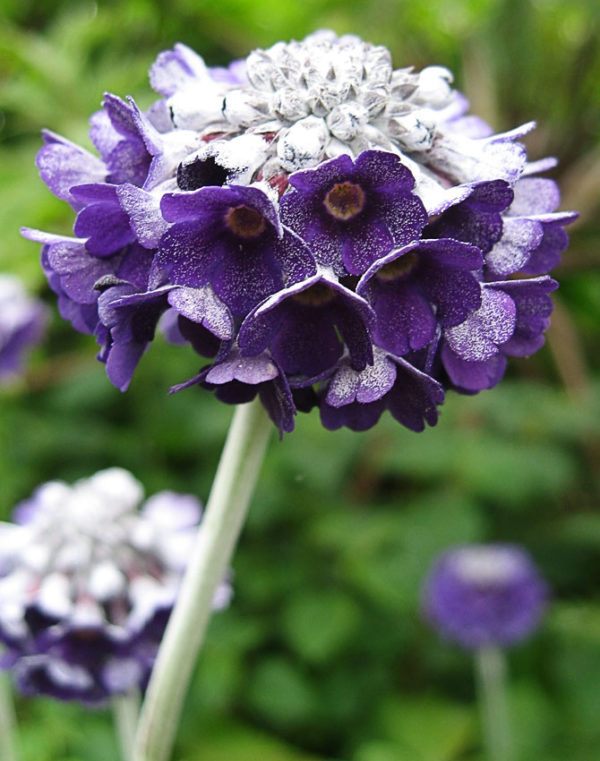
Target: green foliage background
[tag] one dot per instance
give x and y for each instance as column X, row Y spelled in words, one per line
column 323, row 653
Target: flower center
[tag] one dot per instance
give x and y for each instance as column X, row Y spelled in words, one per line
column 345, row 200
column 400, row 267
column 245, row 222
column 315, row 296
column 200, row 173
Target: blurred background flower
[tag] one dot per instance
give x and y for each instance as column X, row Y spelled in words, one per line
column 323, row 654
column 22, row 325
column 484, row 595
column 88, row 579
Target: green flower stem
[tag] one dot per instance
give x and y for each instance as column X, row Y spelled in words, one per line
column 225, row 512
column 126, row 711
column 491, row 673
column 8, row 721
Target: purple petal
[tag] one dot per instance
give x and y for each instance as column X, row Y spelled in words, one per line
column 478, row 337
column 405, row 320
column 520, row 236
column 202, row 306
column 174, row 69
column 143, row 210
column 366, row 386
column 356, row 416
column 414, row 398
column 534, row 195
column 473, row 376
column 63, row 165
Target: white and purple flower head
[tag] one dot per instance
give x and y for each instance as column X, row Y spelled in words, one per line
column 330, row 231
column 22, row 325
column 484, row 595
column 87, row 584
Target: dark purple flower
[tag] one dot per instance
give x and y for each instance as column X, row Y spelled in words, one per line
column 482, row 595
column 87, row 583
column 352, row 213
column 230, row 238
column 307, row 326
column 419, row 287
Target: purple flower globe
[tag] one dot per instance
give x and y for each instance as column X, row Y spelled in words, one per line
column 307, row 215
column 22, row 325
column 485, row 595
column 87, row 584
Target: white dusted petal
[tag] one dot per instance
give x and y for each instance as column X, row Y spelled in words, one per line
column 512, row 251
column 120, row 675
column 54, row 595
column 86, row 613
column 303, row 145
column 175, row 550
column 36, row 556
column 106, row 581
column 68, row 675
column 434, row 87
column 118, row 487
column 478, row 337
column 147, row 596
column 12, row 540
column 170, row 511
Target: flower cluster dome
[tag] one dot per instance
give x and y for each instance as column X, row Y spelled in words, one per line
column 328, row 230
column 485, row 594
column 22, row 324
column 87, row 584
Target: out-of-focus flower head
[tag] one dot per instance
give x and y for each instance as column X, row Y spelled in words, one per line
column 485, row 594
column 88, row 581
column 23, row 322
column 326, row 229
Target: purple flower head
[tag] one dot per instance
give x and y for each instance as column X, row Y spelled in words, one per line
column 481, row 595
column 87, row 583
column 22, row 325
column 312, row 209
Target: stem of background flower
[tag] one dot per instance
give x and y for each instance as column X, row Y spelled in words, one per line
column 8, row 722
column 491, row 674
column 126, row 712
column 224, row 516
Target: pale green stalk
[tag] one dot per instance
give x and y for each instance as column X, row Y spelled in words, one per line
column 491, row 673
column 8, row 722
column 223, row 519
column 126, row 712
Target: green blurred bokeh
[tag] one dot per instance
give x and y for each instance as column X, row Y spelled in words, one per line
column 323, row 653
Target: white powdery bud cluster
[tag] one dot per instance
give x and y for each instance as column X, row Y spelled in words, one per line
column 325, row 96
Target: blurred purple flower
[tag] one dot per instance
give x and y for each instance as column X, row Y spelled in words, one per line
column 483, row 595
column 87, row 584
